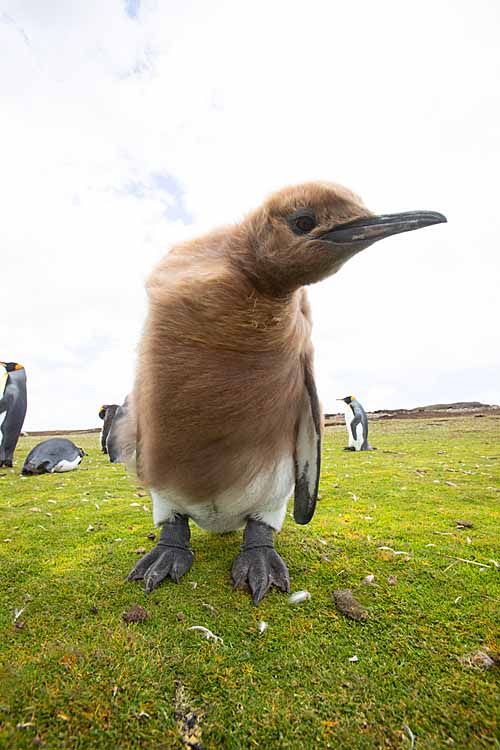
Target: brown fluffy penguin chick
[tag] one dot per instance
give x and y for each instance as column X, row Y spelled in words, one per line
column 228, row 419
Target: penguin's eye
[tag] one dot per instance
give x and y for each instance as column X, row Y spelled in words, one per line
column 302, row 223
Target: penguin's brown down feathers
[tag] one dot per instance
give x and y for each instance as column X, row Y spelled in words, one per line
column 220, row 379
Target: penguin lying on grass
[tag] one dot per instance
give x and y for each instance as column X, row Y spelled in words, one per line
column 54, row 455
column 13, row 403
column 228, row 418
column 356, row 422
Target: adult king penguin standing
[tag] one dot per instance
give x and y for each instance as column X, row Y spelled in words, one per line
column 228, row 418
column 13, row 403
column 356, row 421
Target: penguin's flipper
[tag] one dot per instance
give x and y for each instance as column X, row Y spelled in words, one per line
column 307, row 450
column 353, row 426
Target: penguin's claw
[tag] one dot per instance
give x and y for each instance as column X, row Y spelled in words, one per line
column 260, row 568
column 162, row 562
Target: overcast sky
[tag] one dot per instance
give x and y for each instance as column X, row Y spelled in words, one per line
column 127, row 125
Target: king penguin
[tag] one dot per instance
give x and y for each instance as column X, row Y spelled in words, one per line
column 226, row 412
column 51, row 456
column 113, row 443
column 107, row 414
column 356, row 422
column 13, row 402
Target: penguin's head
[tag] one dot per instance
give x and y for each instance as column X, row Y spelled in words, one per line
column 11, row 366
column 305, row 233
column 348, row 399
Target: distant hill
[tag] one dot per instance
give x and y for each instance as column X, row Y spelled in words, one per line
column 456, row 409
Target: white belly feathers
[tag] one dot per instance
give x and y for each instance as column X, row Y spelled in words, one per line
column 265, row 498
column 65, row 465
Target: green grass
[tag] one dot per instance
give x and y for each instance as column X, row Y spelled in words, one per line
column 83, row 678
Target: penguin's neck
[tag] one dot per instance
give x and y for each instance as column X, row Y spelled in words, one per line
column 206, row 301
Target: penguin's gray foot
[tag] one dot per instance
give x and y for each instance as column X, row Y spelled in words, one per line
column 6, row 463
column 172, row 557
column 258, row 565
column 349, row 448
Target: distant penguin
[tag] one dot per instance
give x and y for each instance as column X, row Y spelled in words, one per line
column 13, row 402
column 113, row 440
column 54, row 455
column 106, row 413
column 356, row 422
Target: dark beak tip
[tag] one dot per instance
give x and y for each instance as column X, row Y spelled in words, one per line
column 438, row 218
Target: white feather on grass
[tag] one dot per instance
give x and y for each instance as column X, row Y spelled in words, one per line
column 410, row 734
column 299, row 596
column 206, row 633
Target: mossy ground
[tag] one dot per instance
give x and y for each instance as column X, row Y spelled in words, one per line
column 77, row 676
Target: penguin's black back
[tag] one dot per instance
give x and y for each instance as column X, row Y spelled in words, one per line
column 48, row 453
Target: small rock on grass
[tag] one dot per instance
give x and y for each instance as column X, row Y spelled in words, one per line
column 135, row 614
column 151, row 536
column 464, row 524
column 349, row 606
column 392, row 580
column 481, row 659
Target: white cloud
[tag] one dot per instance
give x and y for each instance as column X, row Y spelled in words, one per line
column 233, row 100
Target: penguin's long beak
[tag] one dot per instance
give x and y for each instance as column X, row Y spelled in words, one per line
column 373, row 228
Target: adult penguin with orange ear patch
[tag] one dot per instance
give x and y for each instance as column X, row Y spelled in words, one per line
column 228, row 418
column 356, row 422
column 13, row 402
